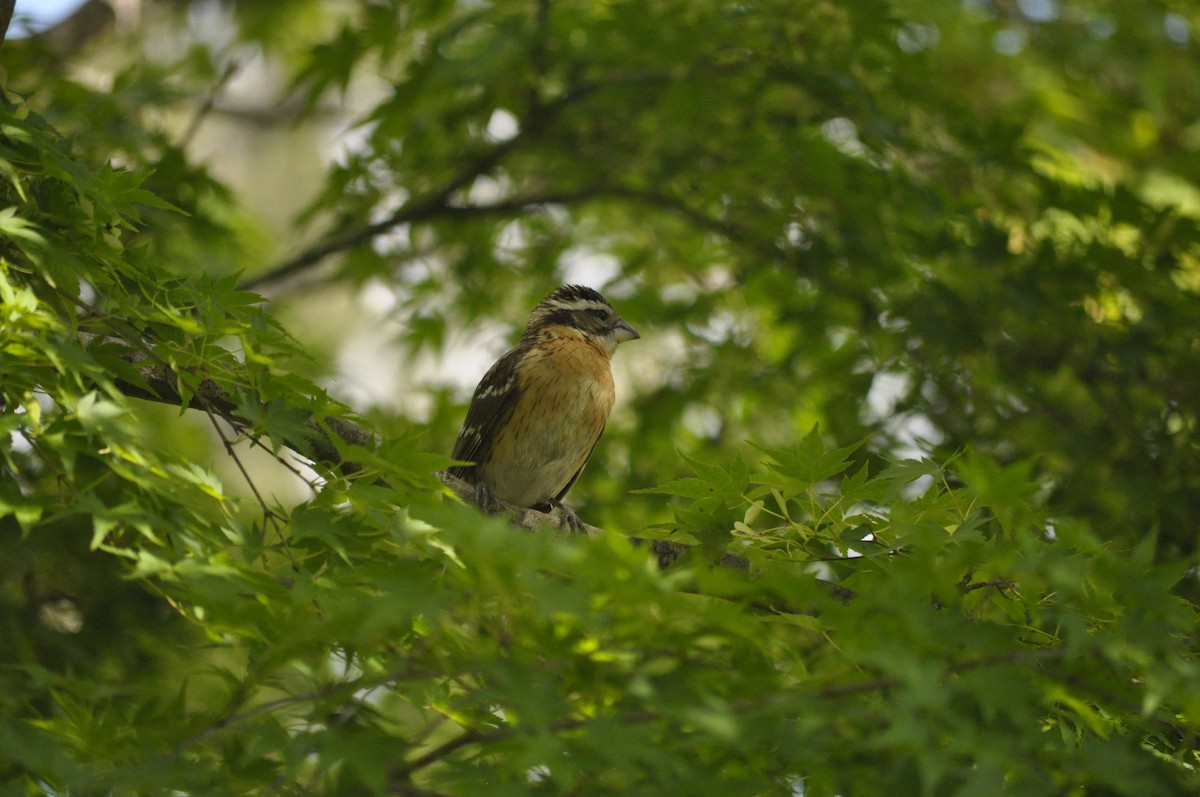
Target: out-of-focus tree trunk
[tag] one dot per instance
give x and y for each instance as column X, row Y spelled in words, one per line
column 6, row 13
column 88, row 21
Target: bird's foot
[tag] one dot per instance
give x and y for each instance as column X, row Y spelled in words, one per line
column 570, row 520
column 487, row 499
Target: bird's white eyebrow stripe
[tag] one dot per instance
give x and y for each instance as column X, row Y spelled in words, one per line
column 582, row 304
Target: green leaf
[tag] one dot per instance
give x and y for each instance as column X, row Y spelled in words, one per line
column 281, row 423
column 99, row 415
column 684, row 488
column 807, row 463
column 21, row 229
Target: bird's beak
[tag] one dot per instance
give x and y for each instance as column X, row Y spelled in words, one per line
column 624, row 332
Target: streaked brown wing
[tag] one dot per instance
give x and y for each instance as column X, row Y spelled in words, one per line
column 491, row 406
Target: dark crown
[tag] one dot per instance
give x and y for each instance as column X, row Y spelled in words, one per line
column 574, row 297
column 562, row 306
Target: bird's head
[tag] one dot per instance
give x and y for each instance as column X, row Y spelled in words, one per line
column 576, row 310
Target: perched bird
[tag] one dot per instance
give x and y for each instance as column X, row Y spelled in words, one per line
column 539, row 410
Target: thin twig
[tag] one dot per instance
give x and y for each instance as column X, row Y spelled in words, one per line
column 268, row 513
column 312, row 485
column 1001, row 585
column 235, row 718
column 231, row 69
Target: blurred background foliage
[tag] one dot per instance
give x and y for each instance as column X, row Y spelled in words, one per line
column 935, row 226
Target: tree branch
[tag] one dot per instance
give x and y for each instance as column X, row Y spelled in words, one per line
column 158, row 383
column 438, row 202
column 417, row 210
column 666, row 552
column 439, row 208
column 520, row 516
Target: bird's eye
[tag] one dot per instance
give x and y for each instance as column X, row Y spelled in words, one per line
column 600, row 314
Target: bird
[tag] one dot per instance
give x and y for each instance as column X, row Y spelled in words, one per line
column 537, row 414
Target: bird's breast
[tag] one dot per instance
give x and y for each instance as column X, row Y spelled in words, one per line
column 565, row 396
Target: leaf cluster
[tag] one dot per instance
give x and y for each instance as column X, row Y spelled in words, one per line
column 987, row 207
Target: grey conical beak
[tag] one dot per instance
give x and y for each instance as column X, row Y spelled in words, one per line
column 624, row 332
